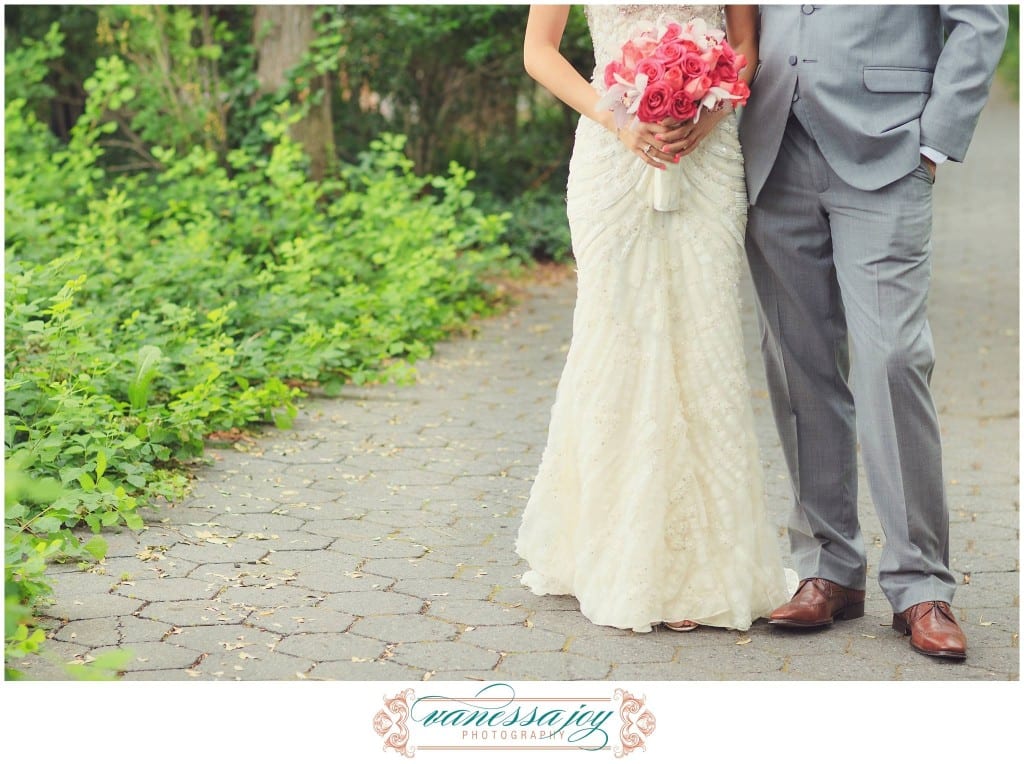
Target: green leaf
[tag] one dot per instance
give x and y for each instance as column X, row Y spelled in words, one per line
column 46, row 524
column 86, row 481
column 134, row 521
column 145, row 371
column 101, row 463
column 97, row 547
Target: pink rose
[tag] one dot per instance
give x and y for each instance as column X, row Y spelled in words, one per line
column 694, row 66
column 654, row 103
column 648, row 47
column 725, row 72
column 710, row 57
column 674, row 77
column 739, row 89
column 652, row 67
column 671, row 32
column 672, row 53
column 631, row 55
column 682, row 107
column 697, row 87
column 615, row 67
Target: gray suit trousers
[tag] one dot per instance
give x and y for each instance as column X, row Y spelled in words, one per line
column 842, row 277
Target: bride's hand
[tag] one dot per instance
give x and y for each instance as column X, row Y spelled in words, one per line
column 678, row 139
column 639, row 139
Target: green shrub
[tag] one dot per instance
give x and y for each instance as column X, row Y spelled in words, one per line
column 146, row 310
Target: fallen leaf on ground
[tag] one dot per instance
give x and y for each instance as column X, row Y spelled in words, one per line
column 746, row 641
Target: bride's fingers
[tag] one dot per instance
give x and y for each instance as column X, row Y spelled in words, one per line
column 674, row 137
column 651, row 156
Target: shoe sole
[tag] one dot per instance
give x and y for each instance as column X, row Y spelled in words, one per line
column 678, row 628
column 903, row 628
column 848, row 613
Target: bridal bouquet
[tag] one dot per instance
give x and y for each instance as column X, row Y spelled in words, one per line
column 673, row 71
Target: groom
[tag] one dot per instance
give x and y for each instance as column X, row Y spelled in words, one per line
column 852, row 109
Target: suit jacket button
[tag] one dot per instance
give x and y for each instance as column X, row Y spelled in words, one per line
column 792, row 60
column 807, row 10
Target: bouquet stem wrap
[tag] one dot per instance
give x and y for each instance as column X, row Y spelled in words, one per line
column 667, row 189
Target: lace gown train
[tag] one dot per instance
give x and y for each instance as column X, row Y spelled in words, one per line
column 648, row 502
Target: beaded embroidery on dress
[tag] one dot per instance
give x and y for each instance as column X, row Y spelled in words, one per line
column 648, row 502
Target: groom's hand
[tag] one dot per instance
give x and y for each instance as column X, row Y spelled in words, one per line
column 930, row 165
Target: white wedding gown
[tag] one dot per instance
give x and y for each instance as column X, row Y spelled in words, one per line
column 648, row 503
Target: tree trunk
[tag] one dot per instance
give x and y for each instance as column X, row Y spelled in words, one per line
column 283, row 35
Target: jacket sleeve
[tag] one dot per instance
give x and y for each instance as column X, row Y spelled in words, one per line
column 975, row 35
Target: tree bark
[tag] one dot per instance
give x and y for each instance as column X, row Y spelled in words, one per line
column 283, row 35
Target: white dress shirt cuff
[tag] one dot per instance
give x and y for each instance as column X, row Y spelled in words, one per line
column 936, row 156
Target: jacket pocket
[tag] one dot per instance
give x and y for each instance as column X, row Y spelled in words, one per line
column 895, row 79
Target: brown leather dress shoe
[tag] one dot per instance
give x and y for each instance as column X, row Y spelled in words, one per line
column 817, row 602
column 933, row 630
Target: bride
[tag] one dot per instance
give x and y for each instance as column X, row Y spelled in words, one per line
column 648, row 504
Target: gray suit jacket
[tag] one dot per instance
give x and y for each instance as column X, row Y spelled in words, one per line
column 877, row 82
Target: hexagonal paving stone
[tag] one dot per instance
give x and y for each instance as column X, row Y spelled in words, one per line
column 134, row 628
column 402, row 628
column 430, row 656
column 266, row 523
column 331, row 647
column 223, row 638
column 245, row 574
column 476, row 613
column 190, row 613
column 96, row 606
column 451, row 588
column 93, row 632
column 416, row 567
column 259, row 597
column 554, row 666
column 365, row 671
column 372, row 603
column 238, row 551
column 341, row 576
column 378, row 549
column 312, row 560
column 159, row 655
column 80, row 585
column 248, row 666
column 514, row 639
column 304, row 620
column 134, row 569
column 632, row 648
column 168, row 589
